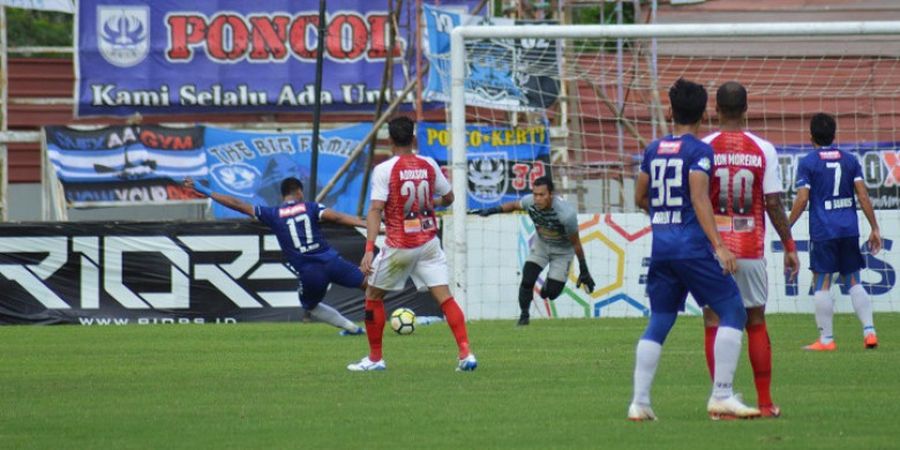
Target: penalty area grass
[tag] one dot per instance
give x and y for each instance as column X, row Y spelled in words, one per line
column 553, row 384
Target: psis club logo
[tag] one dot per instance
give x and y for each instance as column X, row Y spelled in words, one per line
column 487, row 176
column 123, row 34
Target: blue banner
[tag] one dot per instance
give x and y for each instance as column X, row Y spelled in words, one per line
column 234, row 56
column 251, row 165
column 510, row 74
column 503, row 162
column 122, row 165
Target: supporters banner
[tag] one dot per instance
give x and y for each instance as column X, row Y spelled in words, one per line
column 232, row 56
column 164, row 273
column 503, row 162
column 122, row 165
column 617, row 248
column 251, row 165
column 514, row 74
column 880, row 163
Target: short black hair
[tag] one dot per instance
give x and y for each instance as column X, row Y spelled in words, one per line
column 688, row 101
column 544, row 181
column 731, row 99
column 822, row 127
column 402, row 130
column 290, row 185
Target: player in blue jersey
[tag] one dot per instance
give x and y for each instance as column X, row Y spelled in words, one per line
column 827, row 178
column 296, row 226
column 673, row 186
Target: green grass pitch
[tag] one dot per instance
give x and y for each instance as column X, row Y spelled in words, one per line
column 554, row 384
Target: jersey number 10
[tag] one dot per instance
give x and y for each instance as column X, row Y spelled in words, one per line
column 740, row 186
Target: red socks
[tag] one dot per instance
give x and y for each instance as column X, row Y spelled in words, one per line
column 374, row 327
column 760, row 350
column 710, row 350
column 457, row 322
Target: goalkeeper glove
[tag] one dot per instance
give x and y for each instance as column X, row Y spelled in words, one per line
column 584, row 279
column 484, row 212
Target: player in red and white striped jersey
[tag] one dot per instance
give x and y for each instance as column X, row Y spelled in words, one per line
column 405, row 190
column 747, row 181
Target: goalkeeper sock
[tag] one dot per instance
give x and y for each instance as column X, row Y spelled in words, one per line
column 374, row 327
column 329, row 315
column 457, row 322
column 824, row 315
column 760, row 350
column 727, row 350
column 646, row 362
column 710, row 342
column 525, row 297
column 863, row 307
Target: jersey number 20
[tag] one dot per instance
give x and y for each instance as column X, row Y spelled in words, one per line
column 416, row 194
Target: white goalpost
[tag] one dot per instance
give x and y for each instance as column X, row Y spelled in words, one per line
column 599, row 129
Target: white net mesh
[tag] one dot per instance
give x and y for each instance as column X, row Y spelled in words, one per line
column 603, row 106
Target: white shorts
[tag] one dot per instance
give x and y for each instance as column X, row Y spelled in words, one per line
column 426, row 264
column 753, row 282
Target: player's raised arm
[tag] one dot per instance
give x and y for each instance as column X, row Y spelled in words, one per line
column 502, row 208
column 866, row 205
column 699, row 182
column 340, row 218
column 225, row 200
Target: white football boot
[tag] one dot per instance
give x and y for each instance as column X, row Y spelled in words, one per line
column 639, row 413
column 367, row 365
column 730, row 408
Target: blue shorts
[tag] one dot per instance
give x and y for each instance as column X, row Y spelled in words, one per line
column 669, row 282
column 313, row 280
column 840, row 255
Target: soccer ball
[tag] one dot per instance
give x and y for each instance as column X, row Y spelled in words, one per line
column 403, row 321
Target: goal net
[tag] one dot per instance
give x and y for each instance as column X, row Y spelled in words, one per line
column 601, row 93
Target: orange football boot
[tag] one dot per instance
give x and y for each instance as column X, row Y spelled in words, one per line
column 871, row 341
column 818, row 346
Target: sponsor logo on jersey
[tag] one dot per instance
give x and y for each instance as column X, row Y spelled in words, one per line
column 830, row 154
column 487, row 176
column 123, row 34
column 669, row 148
column 291, row 211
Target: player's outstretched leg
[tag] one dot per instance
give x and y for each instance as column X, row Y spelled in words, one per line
column 329, row 315
column 759, row 348
column 375, row 319
column 824, row 304
column 723, row 403
column 863, row 307
column 647, row 354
